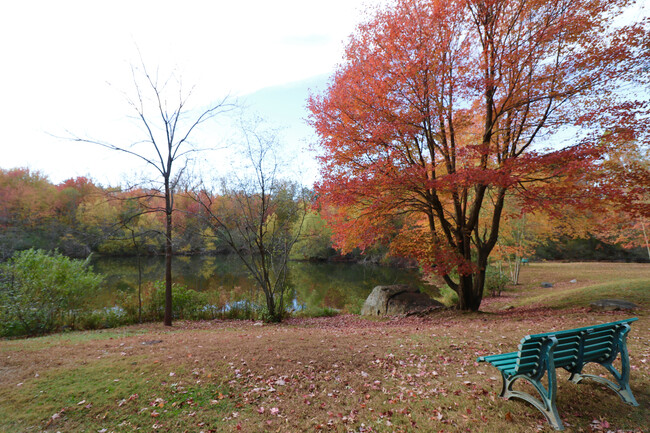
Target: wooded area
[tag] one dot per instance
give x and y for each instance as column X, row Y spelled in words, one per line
column 78, row 217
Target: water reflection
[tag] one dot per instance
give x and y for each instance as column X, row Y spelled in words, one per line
column 342, row 286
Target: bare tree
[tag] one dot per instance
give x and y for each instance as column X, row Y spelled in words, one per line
column 167, row 125
column 259, row 214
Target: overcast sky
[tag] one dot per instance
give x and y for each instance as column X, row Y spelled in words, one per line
column 66, row 64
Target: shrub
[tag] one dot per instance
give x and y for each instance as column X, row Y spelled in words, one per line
column 41, row 292
column 495, row 281
column 108, row 317
column 186, row 303
column 244, row 309
column 318, row 312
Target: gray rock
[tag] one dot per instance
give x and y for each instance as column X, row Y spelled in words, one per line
column 573, row 281
column 377, row 302
column 547, row 285
column 613, row 305
column 397, row 300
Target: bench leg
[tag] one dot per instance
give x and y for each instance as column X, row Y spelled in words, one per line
column 622, row 385
column 623, row 390
column 546, row 404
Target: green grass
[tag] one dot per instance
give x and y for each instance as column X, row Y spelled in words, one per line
column 585, row 273
column 636, row 291
column 69, row 338
column 120, row 395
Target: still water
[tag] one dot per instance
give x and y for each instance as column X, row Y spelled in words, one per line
column 343, row 286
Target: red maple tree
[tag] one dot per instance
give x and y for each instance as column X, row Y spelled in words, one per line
column 443, row 108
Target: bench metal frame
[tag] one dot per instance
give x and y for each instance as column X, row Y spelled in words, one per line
column 571, row 349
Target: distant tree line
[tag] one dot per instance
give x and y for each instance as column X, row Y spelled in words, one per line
column 78, row 217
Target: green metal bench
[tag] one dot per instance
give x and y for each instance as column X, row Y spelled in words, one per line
column 572, row 350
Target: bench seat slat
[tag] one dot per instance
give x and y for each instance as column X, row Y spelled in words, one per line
column 530, row 351
column 598, row 346
column 495, row 358
column 609, row 340
column 501, row 355
column 603, row 339
column 595, row 355
column 503, row 362
column 564, row 361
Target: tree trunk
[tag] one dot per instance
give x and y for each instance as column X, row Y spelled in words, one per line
column 270, row 303
column 168, row 255
column 139, row 261
column 470, row 291
column 139, row 287
column 515, row 275
column 645, row 236
column 470, row 287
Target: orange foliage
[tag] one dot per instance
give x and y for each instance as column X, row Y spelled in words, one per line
column 437, row 110
column 26, row 197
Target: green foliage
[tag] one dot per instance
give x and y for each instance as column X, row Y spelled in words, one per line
column 41, row 292
column 104, row 318
column 495, row 281
column 186, row 303
column 315, row 241
column 587, row 249
column 447, row 296
column 318, row 312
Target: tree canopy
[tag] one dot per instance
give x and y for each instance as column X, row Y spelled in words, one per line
column 443, row 109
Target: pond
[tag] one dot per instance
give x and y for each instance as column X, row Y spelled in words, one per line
column 341, row 286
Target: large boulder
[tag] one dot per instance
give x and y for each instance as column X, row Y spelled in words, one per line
column 398, row 300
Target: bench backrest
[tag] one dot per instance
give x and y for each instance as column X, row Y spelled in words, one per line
column 589, row 344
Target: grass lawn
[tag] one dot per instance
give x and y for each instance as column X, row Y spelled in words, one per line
column 339, row 374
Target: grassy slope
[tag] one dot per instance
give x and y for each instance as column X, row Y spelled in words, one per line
column 591, row 281
column 330, row 374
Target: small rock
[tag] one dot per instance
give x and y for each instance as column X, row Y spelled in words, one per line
column 507, row 308
column 613, row 305
column 547, row 285
column 148, row 343
column 573, row 281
